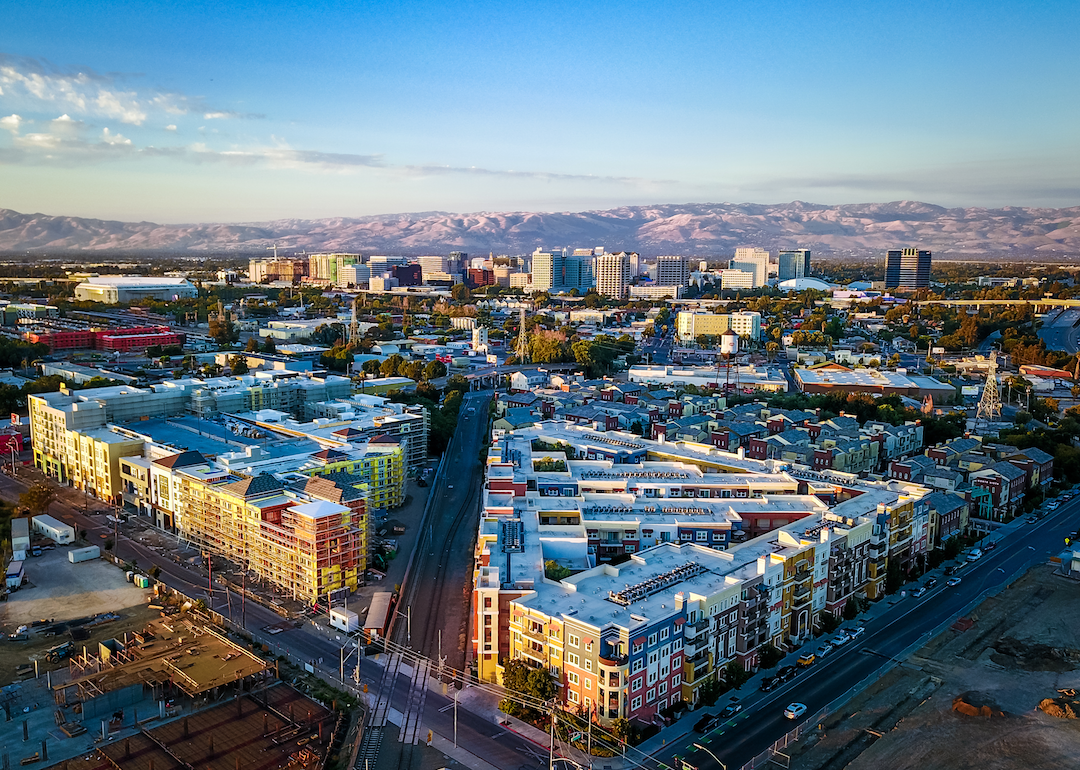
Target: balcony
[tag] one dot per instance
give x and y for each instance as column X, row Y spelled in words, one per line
column 691, row 630
column 800, row 596
column 694, row 646
column 802, row 574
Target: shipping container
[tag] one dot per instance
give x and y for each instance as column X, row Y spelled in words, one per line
column 20, row 534
column 89, row 553
column 344, row 620
column 54, row 529
column 378, row 617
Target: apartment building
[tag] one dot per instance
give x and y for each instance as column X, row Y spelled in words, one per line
column 630, row 638
column 754, row 261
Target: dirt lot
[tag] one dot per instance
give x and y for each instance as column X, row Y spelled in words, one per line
column 970, row 699
column 69, row 595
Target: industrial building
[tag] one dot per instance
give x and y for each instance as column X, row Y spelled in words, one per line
column 113, row 289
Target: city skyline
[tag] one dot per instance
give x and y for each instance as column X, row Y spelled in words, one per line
column 168, row 114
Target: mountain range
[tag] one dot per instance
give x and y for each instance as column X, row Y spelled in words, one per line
column 700, row 229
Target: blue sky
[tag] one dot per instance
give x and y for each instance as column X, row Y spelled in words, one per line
column 186, row 112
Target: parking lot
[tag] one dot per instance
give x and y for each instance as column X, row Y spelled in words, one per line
column 59, row 590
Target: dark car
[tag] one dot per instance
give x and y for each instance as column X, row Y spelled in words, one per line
column 731, row 711
column 787, row 673
column 706, row 723
column 931, row 582
column 989, row 546
column 769, row 683
column 950, row 570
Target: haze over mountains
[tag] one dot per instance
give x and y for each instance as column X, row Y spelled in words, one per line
column 704, row 229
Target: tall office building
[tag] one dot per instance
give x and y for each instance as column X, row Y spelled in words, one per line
column 613, row 274
column 324, row 267
column 457, row 262
column 672, row 271
column 547, row 270
column 432, row 266
column 907, row 269
column 578, row 272
column 794, row 263
column 752, row 260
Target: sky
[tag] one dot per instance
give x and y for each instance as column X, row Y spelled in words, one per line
column 239, row 112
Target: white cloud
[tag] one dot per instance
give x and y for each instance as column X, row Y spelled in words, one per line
column 216, row 115
column 170, row 127
column 110, row 138
column 87, row 93
column 11, row 122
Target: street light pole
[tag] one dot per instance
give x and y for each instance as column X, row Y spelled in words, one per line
column 699, row 746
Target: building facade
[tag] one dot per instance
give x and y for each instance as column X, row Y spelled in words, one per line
column 792, row 264
column 907, row 269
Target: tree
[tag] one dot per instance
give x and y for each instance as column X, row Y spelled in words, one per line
column 735, row 675
column 851, row 610
column 434, row 370
column 522, row 679
column 893, row 578
column 829, row 621
column 371, row 366
column 461, row 292
column 239, row 365
column 252, row 345
column 269, row 346
column 770, row 655
column 38, row 497
column 414, row 370
column 555, row 571
column 391, row 366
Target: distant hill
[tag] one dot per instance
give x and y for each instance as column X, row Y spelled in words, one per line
column 705, row 229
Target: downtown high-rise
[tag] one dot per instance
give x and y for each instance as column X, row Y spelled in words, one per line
column 907, row 269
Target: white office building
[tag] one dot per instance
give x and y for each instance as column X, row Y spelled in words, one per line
column 672, row 271
column 612, row 274
column 736, row 279
column 746, row 323
column 752, row 260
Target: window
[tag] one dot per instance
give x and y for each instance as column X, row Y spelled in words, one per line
column 572, row 696
column 652, row 639
column 588, row 664
column 572, row 659
column 635, row 704
column 572, row 677
column 676, row 680
column 638, row 647
column 588, row 646
column 639, row 665
column 717, row 535
column 573, row 639
column 653, row 657
column 631, row 548
column 636, row 684
column 664, row 633
column 588, row 684
column 650, row 696
column 662, row 688
column 702, row 535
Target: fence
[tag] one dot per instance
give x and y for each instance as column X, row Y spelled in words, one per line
column 793, row 736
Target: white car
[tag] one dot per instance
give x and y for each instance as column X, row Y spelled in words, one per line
column 856, row 632
column 795, row 710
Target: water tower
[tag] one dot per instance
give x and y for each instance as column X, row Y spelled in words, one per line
column 729, row 346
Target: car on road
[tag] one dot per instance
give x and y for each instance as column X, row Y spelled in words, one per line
column 806, row 659
column 989, row 546
column 918, row 592
column 795, row 710
column 951, row 570
column 706, row 723
column 786, row 673
column 729, row 711
column 825, row 649
column 840, row 639
column 769, row 683
column 856, row 632
column 931, row 582
column 953, row 582
column 974, row 555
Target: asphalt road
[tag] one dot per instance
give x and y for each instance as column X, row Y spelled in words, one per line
column 1060, row 334
column 905, row 624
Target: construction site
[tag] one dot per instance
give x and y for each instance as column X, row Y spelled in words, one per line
column 997, row 690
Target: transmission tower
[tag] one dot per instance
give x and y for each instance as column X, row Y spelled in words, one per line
column 522, row 353
column 990, row 403
column 354, row 327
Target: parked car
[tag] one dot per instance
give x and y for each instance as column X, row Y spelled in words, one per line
column 706, row 723
column 918, row 592
column 839, row 640
column 825, row 649
column 989, row 546
column 806, row 659
column 953, row 582
column 729, row 711
column 795, row 710
column 769, row 682
column 951, row 569
column 856, row 632
column 786, row 673
column 974, row 555
column 931, row 582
